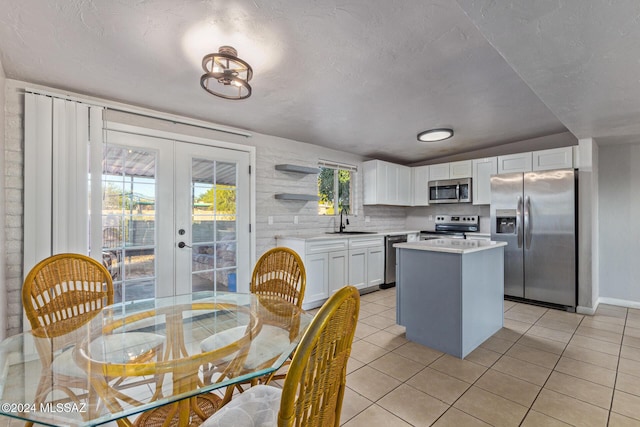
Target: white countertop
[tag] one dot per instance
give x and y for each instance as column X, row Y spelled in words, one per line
column 325, row 236
column 455, row 246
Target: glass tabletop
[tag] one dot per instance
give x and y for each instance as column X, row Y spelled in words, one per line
column 167, row 353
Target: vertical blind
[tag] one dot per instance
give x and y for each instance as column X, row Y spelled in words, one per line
column 56, row 166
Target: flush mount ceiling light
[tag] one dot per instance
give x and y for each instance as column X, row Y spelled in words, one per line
column 433, row 135
column 226, row 75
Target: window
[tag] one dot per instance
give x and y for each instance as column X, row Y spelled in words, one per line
column 335, row 188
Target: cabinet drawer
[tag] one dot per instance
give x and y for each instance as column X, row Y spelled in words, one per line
column 326, row 246
column 365, row 242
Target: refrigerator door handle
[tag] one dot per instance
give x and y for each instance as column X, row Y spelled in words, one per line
column 527, row 222
column 519, row 221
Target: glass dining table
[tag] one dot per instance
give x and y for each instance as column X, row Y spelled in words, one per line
column 119, row 376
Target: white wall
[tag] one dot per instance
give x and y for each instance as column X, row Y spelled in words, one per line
column 619, row 210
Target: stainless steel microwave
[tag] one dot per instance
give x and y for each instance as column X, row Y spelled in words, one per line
column 450, row 191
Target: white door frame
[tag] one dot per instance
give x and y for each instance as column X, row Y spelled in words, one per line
column 136, row 130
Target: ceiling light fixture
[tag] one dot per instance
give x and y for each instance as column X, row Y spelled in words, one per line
column 226, row 75
column 433, row 135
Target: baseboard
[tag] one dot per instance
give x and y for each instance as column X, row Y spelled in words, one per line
column 619, row 302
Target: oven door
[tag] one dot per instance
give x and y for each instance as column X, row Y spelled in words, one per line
column 450, row 191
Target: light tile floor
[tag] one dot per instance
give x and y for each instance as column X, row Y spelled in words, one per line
column 544, row 368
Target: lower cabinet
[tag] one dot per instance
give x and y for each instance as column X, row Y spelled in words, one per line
column 338, row 273
column 331, row 264
column 317, row 269
column 366, row 261
column 375, row 266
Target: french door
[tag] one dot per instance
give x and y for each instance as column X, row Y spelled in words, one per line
column 175, row 216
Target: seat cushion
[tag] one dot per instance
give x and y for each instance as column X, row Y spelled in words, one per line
column 118, row 348
column 264, row 347
column 256, row 407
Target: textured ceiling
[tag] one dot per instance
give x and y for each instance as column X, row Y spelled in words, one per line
column 359, row 76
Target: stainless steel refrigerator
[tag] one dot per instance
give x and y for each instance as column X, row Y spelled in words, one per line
column 535, row 213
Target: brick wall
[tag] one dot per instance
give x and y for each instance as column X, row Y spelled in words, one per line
column 13, row 175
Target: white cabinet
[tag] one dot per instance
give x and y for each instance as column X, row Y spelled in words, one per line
column 420, row 185
column 338, row 270
column 520, row 162
column 555, row 158
column 439, row 171
column 366, row 261
column 358, row 267
column 460, row 169
column 317, row 269
column 482, row 171
column 453, row 170
column 375, row 266
column 326, row 265
column 332, row 263
column 386, row 183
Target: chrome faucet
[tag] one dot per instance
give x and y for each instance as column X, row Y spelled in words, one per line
column 342, row 224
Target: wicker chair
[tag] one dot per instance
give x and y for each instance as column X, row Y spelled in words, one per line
column 61, row 294
column 279, row 272
column 314, row 387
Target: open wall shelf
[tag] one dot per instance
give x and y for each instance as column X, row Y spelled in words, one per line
column 297, row 169
column 289, row 196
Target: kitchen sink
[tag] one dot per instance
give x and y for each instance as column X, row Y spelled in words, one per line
column 352, row 232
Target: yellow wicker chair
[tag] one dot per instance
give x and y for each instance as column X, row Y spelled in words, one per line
column 61, row 294
column 314, row 387
column 280, row 273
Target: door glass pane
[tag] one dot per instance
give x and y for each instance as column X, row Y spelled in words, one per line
column 213, row 225
column 128, row 221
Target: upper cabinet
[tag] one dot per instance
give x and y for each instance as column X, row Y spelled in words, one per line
column 386, row 183
column 556, row 158
column 420, row 185
column 461, row 169
column 453, row 170
column 520, row 162
column 439, row 171
column 482, row 171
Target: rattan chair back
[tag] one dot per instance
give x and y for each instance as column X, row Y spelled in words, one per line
column 314, row 386
column 280, row 272
column 62, row 293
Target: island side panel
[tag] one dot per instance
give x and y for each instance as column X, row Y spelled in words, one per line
column 482, row 297
column 429, row 298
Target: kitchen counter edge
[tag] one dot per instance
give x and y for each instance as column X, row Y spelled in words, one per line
column 346, row 236
column 455, row 246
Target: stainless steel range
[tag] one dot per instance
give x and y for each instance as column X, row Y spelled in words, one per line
column 452, row 227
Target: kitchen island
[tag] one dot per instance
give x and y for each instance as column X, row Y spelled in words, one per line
column 450, row 292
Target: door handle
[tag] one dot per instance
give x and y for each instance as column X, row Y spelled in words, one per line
column 519, row 230
column 183, row 245
column 527, row 222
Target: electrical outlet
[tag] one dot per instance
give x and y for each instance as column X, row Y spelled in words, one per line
column 270, row 220
column 367, row 219
column 430, row 217
column 295, row 219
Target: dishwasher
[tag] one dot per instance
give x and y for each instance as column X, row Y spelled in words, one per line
column 390, row 259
